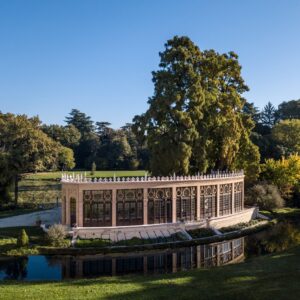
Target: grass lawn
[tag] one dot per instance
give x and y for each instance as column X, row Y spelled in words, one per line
column 266, row 277
column 57, row 175
column 283, row 213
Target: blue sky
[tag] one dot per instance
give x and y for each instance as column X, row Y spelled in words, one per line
column 97, row 56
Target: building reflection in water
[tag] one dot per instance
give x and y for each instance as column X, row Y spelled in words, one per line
column 201, row 256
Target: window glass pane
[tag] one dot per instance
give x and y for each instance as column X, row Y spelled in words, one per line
column 107, row 211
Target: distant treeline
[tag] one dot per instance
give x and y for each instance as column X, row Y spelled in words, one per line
column 276, row 133
column 96, row 143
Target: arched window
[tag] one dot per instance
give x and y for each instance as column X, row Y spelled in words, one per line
column 129, row 207
column 186, row 203
column 208, row 201
column 97, row 208
column 225, row 199
column 238, row 196
column 159, row 205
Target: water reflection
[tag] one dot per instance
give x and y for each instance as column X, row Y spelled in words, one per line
column 15, row 268
column 202, row 256
column 33, row 267
column 278, row 238
column 156, row 262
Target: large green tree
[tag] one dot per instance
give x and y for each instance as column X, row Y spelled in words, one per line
column 195, row 121
column 69, row 136
column 286, row 134
column 24, row 147
column 225, row 128
column 86, row 150
column 288, row 110
column 81, row 121
column 168, row 124
column 268, row 115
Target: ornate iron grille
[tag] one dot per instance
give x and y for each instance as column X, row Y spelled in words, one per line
column 186, row 203
column 129, row 207
column 208, row 201
column 160, row 205
column 97, row 208
column 238, row 196
column 225, row 199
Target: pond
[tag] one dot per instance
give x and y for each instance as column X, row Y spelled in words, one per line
column 39, row 267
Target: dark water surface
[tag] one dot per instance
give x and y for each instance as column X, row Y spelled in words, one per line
column 39, row 267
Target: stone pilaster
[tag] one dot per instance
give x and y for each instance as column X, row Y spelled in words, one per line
column 145, row 206
column 232, row 198
column 114, row 208
column 218, row 200
column 174, row 204
column 198, row 203
column 243, row 194
column 80, row 207
column 68, row 217
column 63, row 206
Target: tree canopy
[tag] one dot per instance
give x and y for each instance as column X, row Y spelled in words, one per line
column 287, row 135
column 288, row 110
column 195, row 121
column 24, row 147
column 81, row 121
column 68, row 136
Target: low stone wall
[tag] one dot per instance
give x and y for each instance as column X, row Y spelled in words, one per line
column 244, row 216
column 161, row 230
column 127, row 232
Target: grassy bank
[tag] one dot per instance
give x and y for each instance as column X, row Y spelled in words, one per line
column 39, row 244
column 267, row 277
column 290, row 213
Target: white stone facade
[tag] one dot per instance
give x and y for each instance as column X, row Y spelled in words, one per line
column 128, row 203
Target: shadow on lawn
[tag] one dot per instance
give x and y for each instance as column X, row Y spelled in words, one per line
column 268, row 277
column 261, row 278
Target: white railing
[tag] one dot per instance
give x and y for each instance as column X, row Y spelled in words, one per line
column 82, row 178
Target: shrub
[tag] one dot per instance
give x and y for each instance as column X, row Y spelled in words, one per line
column 23, row 239
column 56, row 235
column 266, row 196
column 284, row 173
column 91, row 243
column 238, row 226
column 201, row 233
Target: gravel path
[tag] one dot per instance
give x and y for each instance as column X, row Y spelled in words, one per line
column 47, row 217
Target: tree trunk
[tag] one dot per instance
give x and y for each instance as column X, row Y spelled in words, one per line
column 16, row 189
